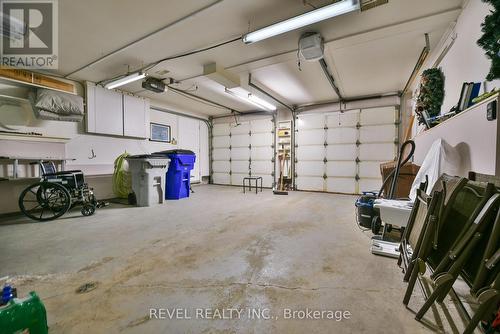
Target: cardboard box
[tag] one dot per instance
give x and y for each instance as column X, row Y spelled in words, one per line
column 407, row 174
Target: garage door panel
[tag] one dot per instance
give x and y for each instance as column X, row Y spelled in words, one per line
column 310, row 183
column 234, row 146
column 311, row 137
column 221, row 166
column 341, row 168
column 237, row 178
column 348, row 118
column 261, row 125
column 341, row 152
column 262, row 167
column 344, row 158
column 221, row 178
column 240, row 141
column 240, row 167
column 240, row 153
column 221, row 154
column 378, row 152
column 377, row 133
column 370, row 184
column 341, row 135
column 267, row 180
column 221, row 142
column 311, row 122
column 262, row 153
column 221, row 129
column 310, row 168
column 341, row 185
column 377, row 115
column 261, row 139
column 369, row 169
column 243, row 128
column 310, row 153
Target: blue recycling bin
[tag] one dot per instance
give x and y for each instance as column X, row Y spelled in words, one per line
column 178, row 180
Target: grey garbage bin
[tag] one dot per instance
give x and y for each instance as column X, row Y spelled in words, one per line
column 148, row 178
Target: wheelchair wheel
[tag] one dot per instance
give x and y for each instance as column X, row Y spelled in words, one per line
column 88, row 210
column 376, row 225
column 44, row 201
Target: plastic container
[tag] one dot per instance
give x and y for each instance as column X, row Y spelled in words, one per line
column 8, row 293
column 365, row 211
column 394, row 212
column 148, row 178
column 178, row 181
column 26, row 315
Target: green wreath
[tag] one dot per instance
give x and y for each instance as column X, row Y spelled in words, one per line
column 490, row 41
column 431, row 94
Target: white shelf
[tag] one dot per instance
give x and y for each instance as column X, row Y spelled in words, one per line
column 24, row 137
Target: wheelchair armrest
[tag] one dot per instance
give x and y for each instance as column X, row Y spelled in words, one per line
column 65, row 172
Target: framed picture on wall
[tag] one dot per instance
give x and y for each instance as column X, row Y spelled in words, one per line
column 160, row 132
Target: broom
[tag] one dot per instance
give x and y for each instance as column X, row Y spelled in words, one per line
column 281, row 190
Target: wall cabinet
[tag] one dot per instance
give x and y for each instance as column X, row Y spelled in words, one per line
column 113, row 113
column 135, row 117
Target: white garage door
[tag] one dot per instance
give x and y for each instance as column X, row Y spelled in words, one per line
column 246, row 149
column 342, row 152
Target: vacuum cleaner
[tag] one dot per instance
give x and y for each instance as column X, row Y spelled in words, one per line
column 367, row 216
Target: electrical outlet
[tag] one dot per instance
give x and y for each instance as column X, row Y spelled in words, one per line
column 491, row 111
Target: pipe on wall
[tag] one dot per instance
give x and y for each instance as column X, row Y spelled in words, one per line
column 330, row 78
column 210, row 125
column 179, row 114
column 269, row 95
column 362, row 103
column 202, row 99
column 243, row 114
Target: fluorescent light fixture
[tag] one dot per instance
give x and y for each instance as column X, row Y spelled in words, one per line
column 261, row 102
column 247, row 97
column 303, row 20
column 125, row 80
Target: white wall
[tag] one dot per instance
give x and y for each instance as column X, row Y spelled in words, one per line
column 189, row 134
column 107, row 148
column 465, row 61
column 474, row 138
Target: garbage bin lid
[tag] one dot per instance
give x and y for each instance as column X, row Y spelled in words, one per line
column 146, row 156
column 176, row 151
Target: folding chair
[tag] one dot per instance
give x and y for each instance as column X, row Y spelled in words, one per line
column 425, row 208
column 449, row 268
column 441, row 232
column 488, row 301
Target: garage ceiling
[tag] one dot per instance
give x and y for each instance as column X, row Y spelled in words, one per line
column 370, row 52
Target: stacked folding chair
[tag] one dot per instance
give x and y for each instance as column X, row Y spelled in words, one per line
column 455, row 231
column 426, row 210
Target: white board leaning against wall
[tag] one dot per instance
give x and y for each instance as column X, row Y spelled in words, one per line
column 243, row 147
column 342, row 152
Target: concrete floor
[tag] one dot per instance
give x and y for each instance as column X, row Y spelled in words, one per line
column 219, row 249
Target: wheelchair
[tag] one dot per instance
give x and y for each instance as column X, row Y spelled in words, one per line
column 56, row 193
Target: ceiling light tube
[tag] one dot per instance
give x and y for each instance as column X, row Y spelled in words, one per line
column 262, row 102
column 303, row 20
column 125, row 80
column 254, row 100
